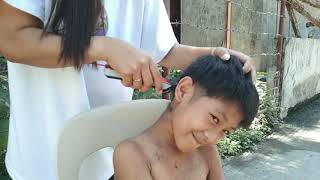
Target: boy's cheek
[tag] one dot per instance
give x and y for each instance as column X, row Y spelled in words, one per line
column 186, row 143
column 214, row 137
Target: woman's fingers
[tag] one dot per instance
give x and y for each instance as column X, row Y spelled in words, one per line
column 127, row 80
column 137, row 81
column 247, row 62
column 221, row 52
column 157, row 78
column 147, row 78
column 248, row 66
column 225, row 53
column 143, row 77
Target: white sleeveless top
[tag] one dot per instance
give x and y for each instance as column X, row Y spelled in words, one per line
column 43, row 100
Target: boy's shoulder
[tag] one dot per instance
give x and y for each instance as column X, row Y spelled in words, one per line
column 130, row 161
column 134, row 146
column 127, row 152
column 208, row 149
column 129, row 145
column 210, row 153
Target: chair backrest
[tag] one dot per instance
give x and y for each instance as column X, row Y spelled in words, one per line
column 103, row 127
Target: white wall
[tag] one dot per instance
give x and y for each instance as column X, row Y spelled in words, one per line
column 301, row 74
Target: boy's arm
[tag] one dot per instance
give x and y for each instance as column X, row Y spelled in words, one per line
column 130, row 163
column 214, row 162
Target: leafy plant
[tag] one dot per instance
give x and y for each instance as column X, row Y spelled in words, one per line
column 4, row 116
column 266, row 122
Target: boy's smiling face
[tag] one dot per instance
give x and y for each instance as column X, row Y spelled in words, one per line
column 201, row 120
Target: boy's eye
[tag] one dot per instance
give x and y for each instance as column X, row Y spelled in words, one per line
column 215, row 120
column 226, row 132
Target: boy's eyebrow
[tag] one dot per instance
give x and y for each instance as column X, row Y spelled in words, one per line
column 227, row 120
column 224, row 116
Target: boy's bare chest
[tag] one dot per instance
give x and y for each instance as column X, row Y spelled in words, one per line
column 167, row 166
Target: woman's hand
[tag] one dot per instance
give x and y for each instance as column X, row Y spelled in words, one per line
column 136, row 68
column 248, row 66
column 181, row 56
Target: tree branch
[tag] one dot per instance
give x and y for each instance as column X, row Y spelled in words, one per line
column 313, row 3
column 300, row 8
column 293, row 20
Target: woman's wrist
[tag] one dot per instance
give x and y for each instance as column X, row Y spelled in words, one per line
column 96, row 50
column 105, row 48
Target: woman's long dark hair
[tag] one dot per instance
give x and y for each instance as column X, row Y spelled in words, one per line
column 75, row 21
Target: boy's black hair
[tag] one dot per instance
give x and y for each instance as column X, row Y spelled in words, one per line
column 226, row 79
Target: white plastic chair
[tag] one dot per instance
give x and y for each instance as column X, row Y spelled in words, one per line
column 99, row 128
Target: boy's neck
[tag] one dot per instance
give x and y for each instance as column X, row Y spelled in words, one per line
column 162, row 131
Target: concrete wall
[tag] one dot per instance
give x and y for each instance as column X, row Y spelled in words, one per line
column 249, row 26
column 196, row 16
column 203, row 24
column 301, row 74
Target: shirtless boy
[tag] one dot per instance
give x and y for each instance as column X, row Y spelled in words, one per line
column 211, row 100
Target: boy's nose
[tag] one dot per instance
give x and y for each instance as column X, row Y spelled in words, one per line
column 213, row 136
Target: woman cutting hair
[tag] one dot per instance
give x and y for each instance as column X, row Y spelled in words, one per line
column 53, row 49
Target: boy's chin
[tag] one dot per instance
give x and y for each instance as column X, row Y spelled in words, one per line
column 186, row 148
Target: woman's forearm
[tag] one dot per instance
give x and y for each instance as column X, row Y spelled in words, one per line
column 30, row 47
column 181, row 56
column 22, row 41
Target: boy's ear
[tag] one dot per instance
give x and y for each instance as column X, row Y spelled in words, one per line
column 184, row 90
